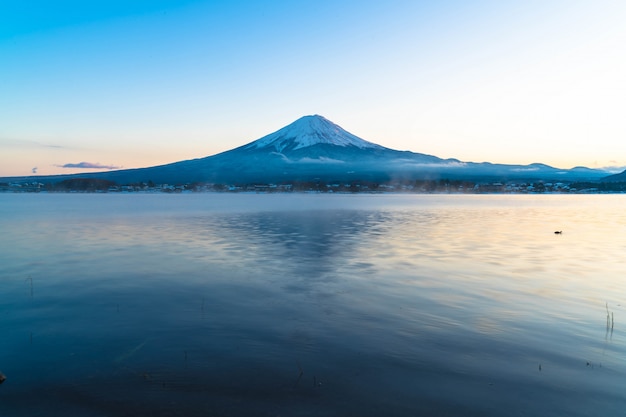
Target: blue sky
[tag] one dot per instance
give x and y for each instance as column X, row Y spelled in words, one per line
column 132, row 84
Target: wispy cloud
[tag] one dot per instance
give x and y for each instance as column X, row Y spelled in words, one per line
column 614, row 169
column 320, row 160
column 307, row 160
column 410, row 164
column 20, row 143
column 88, row 165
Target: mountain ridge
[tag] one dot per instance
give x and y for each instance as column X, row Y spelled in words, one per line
column 314, row 148
column 619, row 177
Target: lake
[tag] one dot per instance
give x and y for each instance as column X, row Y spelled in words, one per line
column 312, row 305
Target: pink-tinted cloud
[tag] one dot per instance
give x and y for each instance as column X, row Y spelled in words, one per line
column 88, row 165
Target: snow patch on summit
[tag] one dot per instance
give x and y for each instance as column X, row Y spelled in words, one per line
column 309, row 131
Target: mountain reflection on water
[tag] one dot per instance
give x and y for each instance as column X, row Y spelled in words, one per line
column 198, row 305
column 309, row 245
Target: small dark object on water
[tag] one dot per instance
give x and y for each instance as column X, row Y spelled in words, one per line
column 558, row 232
column 2, row 378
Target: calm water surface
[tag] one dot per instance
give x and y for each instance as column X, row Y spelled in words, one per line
column 312, row 305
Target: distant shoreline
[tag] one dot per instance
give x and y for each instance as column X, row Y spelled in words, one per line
column 443, row 186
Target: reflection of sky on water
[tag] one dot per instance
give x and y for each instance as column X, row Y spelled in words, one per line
column 387, row 304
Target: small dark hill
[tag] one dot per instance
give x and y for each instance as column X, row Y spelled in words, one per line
column 621, row 177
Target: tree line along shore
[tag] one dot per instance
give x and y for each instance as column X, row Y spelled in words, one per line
column 93, row 185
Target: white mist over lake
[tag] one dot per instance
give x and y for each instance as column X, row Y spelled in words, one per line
column 306, row 305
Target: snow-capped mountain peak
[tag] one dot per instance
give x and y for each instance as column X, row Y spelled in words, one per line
column 309, row 131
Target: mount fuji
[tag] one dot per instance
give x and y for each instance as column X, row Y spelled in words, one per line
column 310, row 131
column 311, row 148
column 314, row 148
